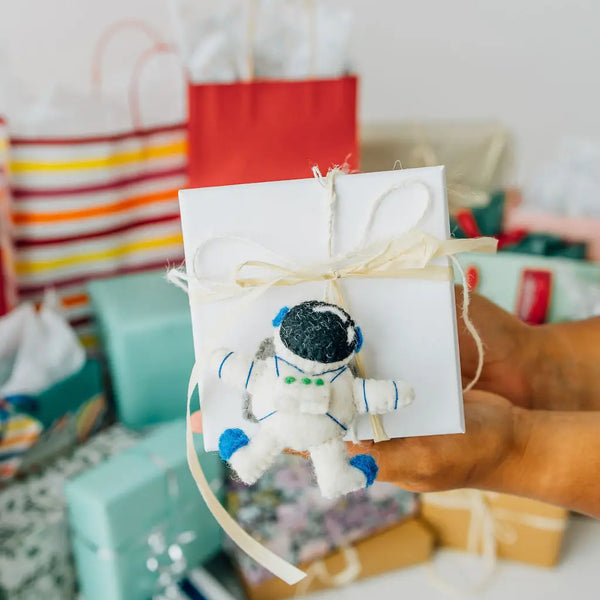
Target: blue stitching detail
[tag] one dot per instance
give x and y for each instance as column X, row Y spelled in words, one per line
column 249, row 373
column 330, row 371
column 266, row 416
column 332, row 380
column 336, row 421
column 287, row 363
column 365, row 395
column 396, row 388
column 223, row 362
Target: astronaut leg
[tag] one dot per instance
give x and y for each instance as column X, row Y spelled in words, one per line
column 336, row 473
column 249, row 458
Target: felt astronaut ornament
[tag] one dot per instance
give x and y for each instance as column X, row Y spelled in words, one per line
column 304, row 396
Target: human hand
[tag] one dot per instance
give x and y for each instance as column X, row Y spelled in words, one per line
column 476, row 458
column 510, row 350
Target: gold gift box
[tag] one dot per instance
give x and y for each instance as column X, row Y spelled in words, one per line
column 408, row 543
column 477, row 154
column 509, row 526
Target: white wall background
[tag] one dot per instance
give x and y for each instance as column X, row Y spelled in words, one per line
column 533, row 64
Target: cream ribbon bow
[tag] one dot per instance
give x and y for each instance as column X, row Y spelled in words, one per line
column 408, row 255
column 488, row 525
column 317, row 571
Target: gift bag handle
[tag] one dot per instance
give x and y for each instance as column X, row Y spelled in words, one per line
column 134, row 84
column 107, row 37
column 251, row 37
column 159, row 46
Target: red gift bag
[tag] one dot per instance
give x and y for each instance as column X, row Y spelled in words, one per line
column 270, row 129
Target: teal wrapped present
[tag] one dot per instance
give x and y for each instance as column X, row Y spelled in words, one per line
column 145, row 329
column 138, row 521
column 538, row 289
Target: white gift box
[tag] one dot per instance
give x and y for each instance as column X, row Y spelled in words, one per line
column 409, row 324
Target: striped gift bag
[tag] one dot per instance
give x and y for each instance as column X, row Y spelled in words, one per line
column 8, row 283
column 96, row 206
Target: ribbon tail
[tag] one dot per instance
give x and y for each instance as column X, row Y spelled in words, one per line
column 487, row 245
column 379, row 433
column 263, row 556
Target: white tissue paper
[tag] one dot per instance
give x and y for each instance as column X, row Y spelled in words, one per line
column 264, row 39
column 37, row 349
column 61, row 112
column 569, row 184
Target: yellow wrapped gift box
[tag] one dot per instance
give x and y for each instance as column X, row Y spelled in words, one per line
column 402, row 545
column 498, row 524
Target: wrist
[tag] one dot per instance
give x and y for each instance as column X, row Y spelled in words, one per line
column 553, row 379
column 510, row 473
column 524, row 360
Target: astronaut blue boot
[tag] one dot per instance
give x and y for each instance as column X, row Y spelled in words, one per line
column 336, row 473
column 366, row 463
column 231, row 441
column 249, row 458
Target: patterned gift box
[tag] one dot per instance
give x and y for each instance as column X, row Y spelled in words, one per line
column 138, row 521
column 285, row 511
column 35, row 549
column 408, row 543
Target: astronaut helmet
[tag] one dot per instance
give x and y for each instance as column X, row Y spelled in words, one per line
column 316, row 334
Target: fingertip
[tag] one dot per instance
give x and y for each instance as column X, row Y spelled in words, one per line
column 196, row 419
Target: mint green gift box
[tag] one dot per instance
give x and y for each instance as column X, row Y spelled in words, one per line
column 122, row 509
column 145, row 329
column 575, row 283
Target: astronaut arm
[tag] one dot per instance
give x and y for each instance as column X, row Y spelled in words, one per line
column 378, row 397
column 234, row 368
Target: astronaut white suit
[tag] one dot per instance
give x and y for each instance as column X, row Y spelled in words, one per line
column 305, row 398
